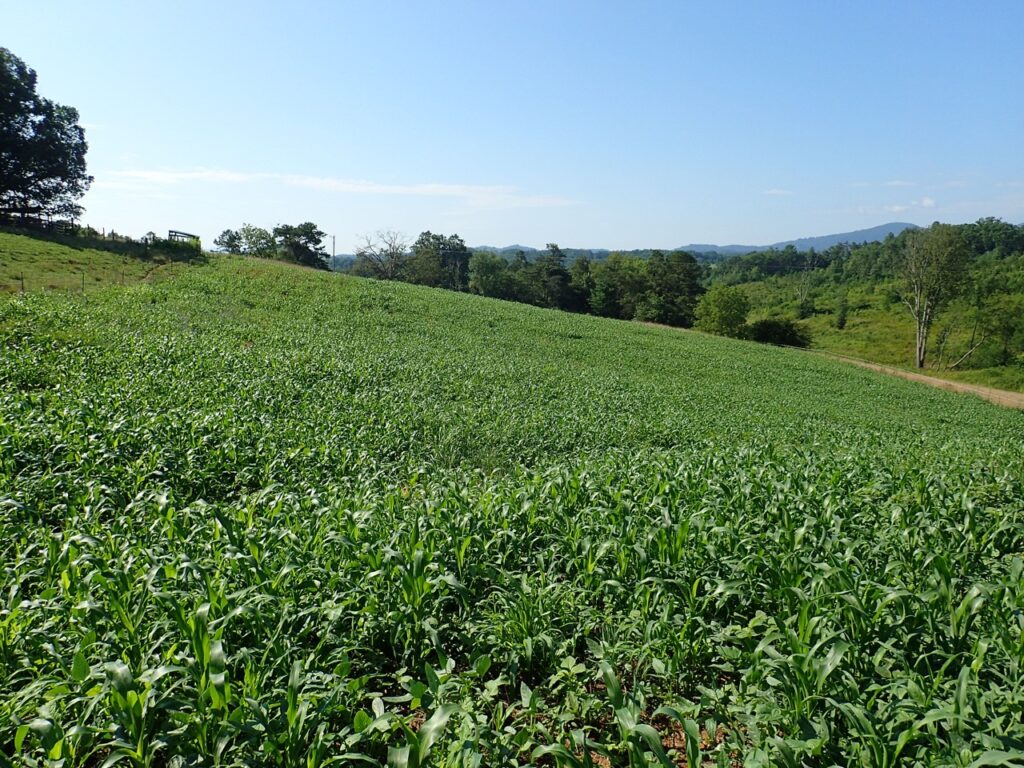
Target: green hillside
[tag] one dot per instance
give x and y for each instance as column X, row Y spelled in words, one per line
column 272, row 516
column 70, row 264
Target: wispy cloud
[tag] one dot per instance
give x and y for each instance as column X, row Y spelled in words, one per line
column 924, row 202
column 899, row 183
column 775, row 192
column 473, row 195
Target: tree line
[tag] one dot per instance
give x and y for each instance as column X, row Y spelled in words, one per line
column 664, row 288
column 299, row 243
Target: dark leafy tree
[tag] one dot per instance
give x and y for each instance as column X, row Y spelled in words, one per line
column 723, row 310
column 229, row 240
column 42, row 148
column 301, row 244
column 675, row 288
column 621, row 285
column 1004, row 319
column 439, row 261
column 777, row 330
column 581, row 277
column 991, row 234
column 552, row 279
column 490, row 275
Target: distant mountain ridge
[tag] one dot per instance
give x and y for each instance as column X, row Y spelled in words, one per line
column 818, row 243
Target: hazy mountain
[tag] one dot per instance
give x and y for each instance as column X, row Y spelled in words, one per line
column 819, row 243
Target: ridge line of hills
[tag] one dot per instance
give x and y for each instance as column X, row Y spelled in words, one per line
column 820, row 242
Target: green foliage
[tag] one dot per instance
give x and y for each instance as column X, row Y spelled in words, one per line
column 299, row 243
column 932, row 270
column 972, row 330
column 661, row 289
column 777, row 330
column 723, row 310
column 259, row 515
column 842, row 311
column 253, row 241
column 439, row 261
column 42, row 148
column 489, row 276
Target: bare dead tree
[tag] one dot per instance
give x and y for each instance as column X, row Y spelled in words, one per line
column 383, row 254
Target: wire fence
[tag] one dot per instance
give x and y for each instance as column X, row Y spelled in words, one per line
column 74, row 283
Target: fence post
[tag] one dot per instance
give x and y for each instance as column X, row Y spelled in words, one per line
column 23, row 283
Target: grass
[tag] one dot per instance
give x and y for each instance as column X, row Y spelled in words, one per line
column 262, row 515
column 877, row 331
column 29, row 263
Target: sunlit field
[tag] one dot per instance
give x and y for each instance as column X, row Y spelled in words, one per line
column 258, row 515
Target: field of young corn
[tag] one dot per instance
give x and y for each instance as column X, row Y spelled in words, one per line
column 261, row 516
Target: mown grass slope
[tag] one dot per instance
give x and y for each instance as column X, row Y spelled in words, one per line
column 33, row 264
column 271, row 516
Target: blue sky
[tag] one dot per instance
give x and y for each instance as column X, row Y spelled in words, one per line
column 617, row 125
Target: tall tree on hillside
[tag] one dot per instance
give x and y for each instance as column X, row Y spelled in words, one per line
column 723, row 310
column 932, row 268
column 249, row 240
column 42, row 148
column 489, row 275
column 552, row 278
column 302, row 244
column 674, row 288
column 439, row 261
column 581, row 279
column 229, row 241
column 621, row 285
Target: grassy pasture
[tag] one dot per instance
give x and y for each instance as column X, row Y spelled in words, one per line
column 33, row 264
column 258, row 515
column 878, row 330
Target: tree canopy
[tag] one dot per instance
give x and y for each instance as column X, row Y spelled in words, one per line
column 42, row 148
column 299, row 243
column 723, row 310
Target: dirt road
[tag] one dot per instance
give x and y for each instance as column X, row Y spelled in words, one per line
column 998, row 396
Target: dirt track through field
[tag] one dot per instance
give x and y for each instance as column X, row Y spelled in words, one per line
column 1001, row 397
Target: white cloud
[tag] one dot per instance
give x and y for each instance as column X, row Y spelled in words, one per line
column 899, row 183
column 775, row 192
column 924, row 202
column 475, row 196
